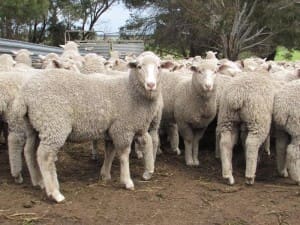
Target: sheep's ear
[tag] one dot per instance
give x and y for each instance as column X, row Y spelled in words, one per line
column 132, row 64
column 166, row 64
column 41, row 57
column 242, row 64
column 194, row 68
column 298, row 72
column 222, row 67
column 62, row 46
column 269, row 67
column 57, row 64
column 14, row 52
column 31, row 53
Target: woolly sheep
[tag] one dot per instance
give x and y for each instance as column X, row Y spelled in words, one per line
column 71, row 53
column 191, row 105
column 286, row 118
column 23, row 56
column 247, row 102
column 93, row 63
column 55, row 99
column 6, row 62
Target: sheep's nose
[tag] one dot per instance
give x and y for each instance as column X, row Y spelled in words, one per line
column 151, row 85
column 208, row 86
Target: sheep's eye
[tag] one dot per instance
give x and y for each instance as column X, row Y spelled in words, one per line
column 159, row 67
column 139, row 67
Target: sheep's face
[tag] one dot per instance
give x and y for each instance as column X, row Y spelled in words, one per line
column 204, row 77
column 293, row 162
column 147, row 69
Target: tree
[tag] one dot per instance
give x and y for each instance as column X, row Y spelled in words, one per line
column 229, row 27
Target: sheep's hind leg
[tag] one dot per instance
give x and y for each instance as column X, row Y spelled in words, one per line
column 16, row 142
column 253, row 142
column 95, row 154
column 31, row 159
column 227, row 141
column 174, row 138
column 281, row 143
column 109, row 154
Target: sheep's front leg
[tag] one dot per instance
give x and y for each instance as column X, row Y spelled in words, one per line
column 293, row 159
column 227, row 141
column 281, row 143
column 197, row 137
column 147, row 146
column 124, row 168
column 188, row 136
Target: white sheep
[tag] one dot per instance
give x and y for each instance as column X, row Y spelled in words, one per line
column 23, row 56
column 287, row 121
column 122, row 108
column 190, row 104
column 7, row 62
column 247, row 102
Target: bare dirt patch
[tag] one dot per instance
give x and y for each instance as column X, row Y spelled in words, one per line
column 176, row 194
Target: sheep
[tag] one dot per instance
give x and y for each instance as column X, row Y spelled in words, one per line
column 7, row 62
column 93, row 63
column 23, row 56
column 247, row 102
column 48, row 61
column 286, row 119
column 72, row 53
column 122, row 108
column 190, row 105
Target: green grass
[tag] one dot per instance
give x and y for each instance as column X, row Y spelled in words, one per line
column 284, row 54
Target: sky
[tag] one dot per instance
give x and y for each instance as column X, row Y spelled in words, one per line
column 113, row 19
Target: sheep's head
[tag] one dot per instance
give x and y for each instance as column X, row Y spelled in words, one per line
column 70, row 45
column 148, row 67
column 293, row 162
column 7, row 60
column 204, row 75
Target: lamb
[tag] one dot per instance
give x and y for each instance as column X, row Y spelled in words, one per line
column 7, row 62
column 190, row 104
column 122, row 108
column 23, row 56
column 247, row 102
column 286, row 118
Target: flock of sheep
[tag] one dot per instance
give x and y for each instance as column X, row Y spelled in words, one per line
column 78, row 98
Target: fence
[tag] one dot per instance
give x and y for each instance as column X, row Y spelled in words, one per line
column 102, row 47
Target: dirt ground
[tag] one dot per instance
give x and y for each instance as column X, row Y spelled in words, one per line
column 176, row 194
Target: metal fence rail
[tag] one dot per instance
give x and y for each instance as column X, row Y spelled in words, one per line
column 102, row 47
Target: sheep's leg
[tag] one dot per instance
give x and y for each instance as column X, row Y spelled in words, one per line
column 227, row 141
column 243, row 137
column 138, row 151
column 46, row 157
column 281, row 143
column 253, row 142
column 197, row 137
column 109, row 155
column 124, row 168
column 95, row 154
column 293, row 159
column 148, row 156
column 174, row 138
column 16, row 142
column 31, row 160
column 154, row 137
column 188, row 136
column 217, row 151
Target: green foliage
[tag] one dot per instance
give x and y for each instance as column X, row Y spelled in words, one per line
column 286, row 54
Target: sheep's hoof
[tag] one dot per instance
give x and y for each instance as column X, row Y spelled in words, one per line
column 159, row 151
column 105, row 177
column 249, row 180
column 58, row 197
column 177, row 151
column 19, row 179
column 189, row 162
column 96, row 157
column 147, row 175
column 284, row 173
column 230, row 180
column 139, row 154
column 196, row 162
column 129, row 186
